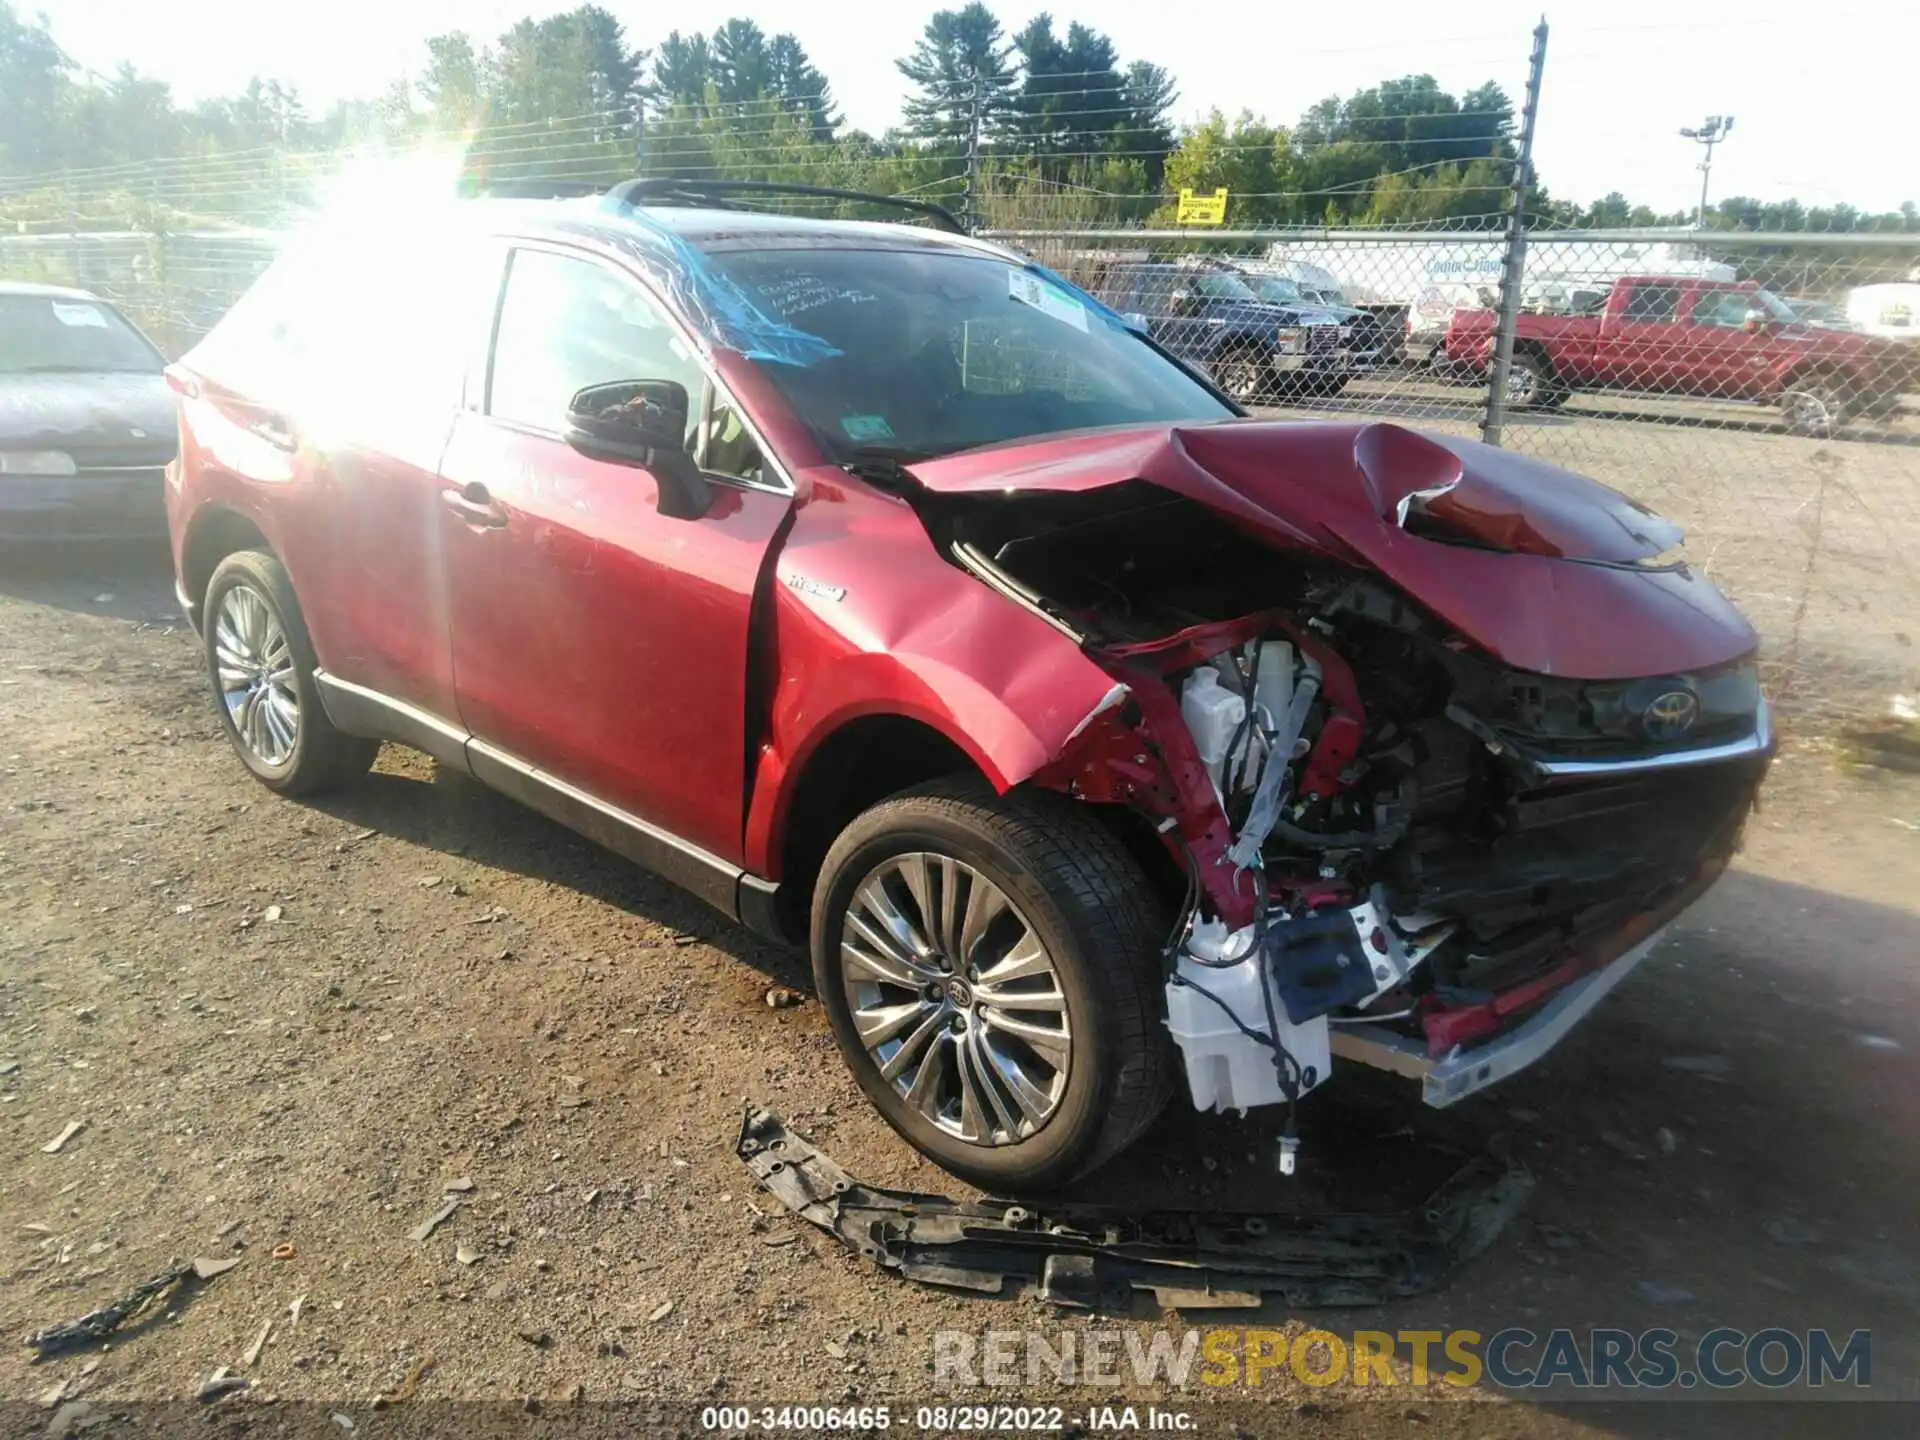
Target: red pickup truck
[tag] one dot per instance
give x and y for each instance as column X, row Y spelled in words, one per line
column 1694, row 337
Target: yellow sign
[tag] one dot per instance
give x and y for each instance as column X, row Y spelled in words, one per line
column 1201, row 209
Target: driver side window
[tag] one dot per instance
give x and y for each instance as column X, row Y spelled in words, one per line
column 1725, row 308
column 567, row 322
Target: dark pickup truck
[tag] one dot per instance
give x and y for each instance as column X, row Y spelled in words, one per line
column 1206, row 314
column 1675, row 336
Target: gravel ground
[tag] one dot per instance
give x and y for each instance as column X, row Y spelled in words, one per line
column 287, row 1028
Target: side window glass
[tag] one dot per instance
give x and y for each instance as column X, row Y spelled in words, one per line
column 567, row 323
column 1652, row 304
column 358, row 322
column 1727, row 308
column 727, row 446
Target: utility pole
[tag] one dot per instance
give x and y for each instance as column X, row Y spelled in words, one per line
column 1513, row 271
column 973, row 156
column 1717, row 128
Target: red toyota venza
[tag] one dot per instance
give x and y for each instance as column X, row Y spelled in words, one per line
column 893, row 595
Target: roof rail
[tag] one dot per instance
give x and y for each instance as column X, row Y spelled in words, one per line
column 668, row 191
column 479, row 187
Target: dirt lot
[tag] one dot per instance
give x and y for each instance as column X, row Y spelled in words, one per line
column 289, row 1026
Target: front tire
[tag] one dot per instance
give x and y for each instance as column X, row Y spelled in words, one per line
column 261, row 661
column 1246, row 373
column 990, row 966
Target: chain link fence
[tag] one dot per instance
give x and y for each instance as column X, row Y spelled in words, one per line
column 1763, row 390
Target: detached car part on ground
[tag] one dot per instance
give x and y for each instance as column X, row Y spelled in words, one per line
column 1097, row 1257
column 1102, row 743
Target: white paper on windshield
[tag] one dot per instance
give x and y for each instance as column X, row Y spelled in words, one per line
column 79, row 315
column 1030, row 289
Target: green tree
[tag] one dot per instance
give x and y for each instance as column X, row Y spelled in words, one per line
column 792, row 77
column 1146, row 137
column 453, row 83
column 130, row 118
column 1071, row 98
column 34, row 84
column 1610, row 212
column 961, row 62
column 1249, row 157
column 681, row 71
column 739, row 70
column 575, row 66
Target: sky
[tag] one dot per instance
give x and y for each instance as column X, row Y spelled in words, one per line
column 1820, row 100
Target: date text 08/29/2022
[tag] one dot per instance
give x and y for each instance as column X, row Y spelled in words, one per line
column 943, row 1419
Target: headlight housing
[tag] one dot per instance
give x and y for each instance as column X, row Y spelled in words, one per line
column 1291, row 339
column 37, row 462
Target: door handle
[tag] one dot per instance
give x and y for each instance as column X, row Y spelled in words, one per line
column 475, row 505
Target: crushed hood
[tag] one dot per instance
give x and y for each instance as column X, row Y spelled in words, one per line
column 1541, row 567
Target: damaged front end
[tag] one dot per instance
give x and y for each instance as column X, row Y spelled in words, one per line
column 1440, row 736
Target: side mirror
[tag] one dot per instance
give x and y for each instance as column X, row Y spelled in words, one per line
column 642, row 423
column 1135, row 321
column 1180, row 302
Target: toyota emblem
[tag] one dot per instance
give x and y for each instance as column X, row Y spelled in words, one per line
column 1670, row 714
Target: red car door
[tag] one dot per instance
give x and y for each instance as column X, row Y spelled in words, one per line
column 600, row 648
column 1725, row 356
column 1636, row 349
column 355, row 350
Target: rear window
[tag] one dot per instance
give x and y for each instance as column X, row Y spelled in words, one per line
column 356, row 315
column 47, row 334
column 1652, row 304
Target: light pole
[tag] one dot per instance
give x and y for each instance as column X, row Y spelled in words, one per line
column 1716, row 129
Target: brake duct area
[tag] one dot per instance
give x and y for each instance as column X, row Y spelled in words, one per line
column 1359, row 799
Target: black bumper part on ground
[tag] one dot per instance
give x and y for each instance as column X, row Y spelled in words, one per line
column 1088, row 1256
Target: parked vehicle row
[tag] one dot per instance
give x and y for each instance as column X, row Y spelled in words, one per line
column 903, row 600
column 1257, row 346
column 1674, row 335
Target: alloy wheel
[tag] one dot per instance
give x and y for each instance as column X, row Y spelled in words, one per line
column 956, row 999
column 255, row 671
column 1522, row 385
column 1810, row 412
column 1240, row 378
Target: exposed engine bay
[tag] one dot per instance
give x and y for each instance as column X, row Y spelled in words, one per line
column 1397, row 845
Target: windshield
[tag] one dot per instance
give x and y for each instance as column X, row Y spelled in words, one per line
column 1218, row 285
column 944, row 350
column 1272, row 287
column 41, row 333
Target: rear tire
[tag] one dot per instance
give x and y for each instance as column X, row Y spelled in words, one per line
column 1814, row 407
column 261, row 662
column 1095, row 923
column 1530, row 384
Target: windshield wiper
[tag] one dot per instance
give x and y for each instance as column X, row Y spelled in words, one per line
column 886, row 465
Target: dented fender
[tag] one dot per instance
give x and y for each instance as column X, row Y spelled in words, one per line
column 864, row 617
